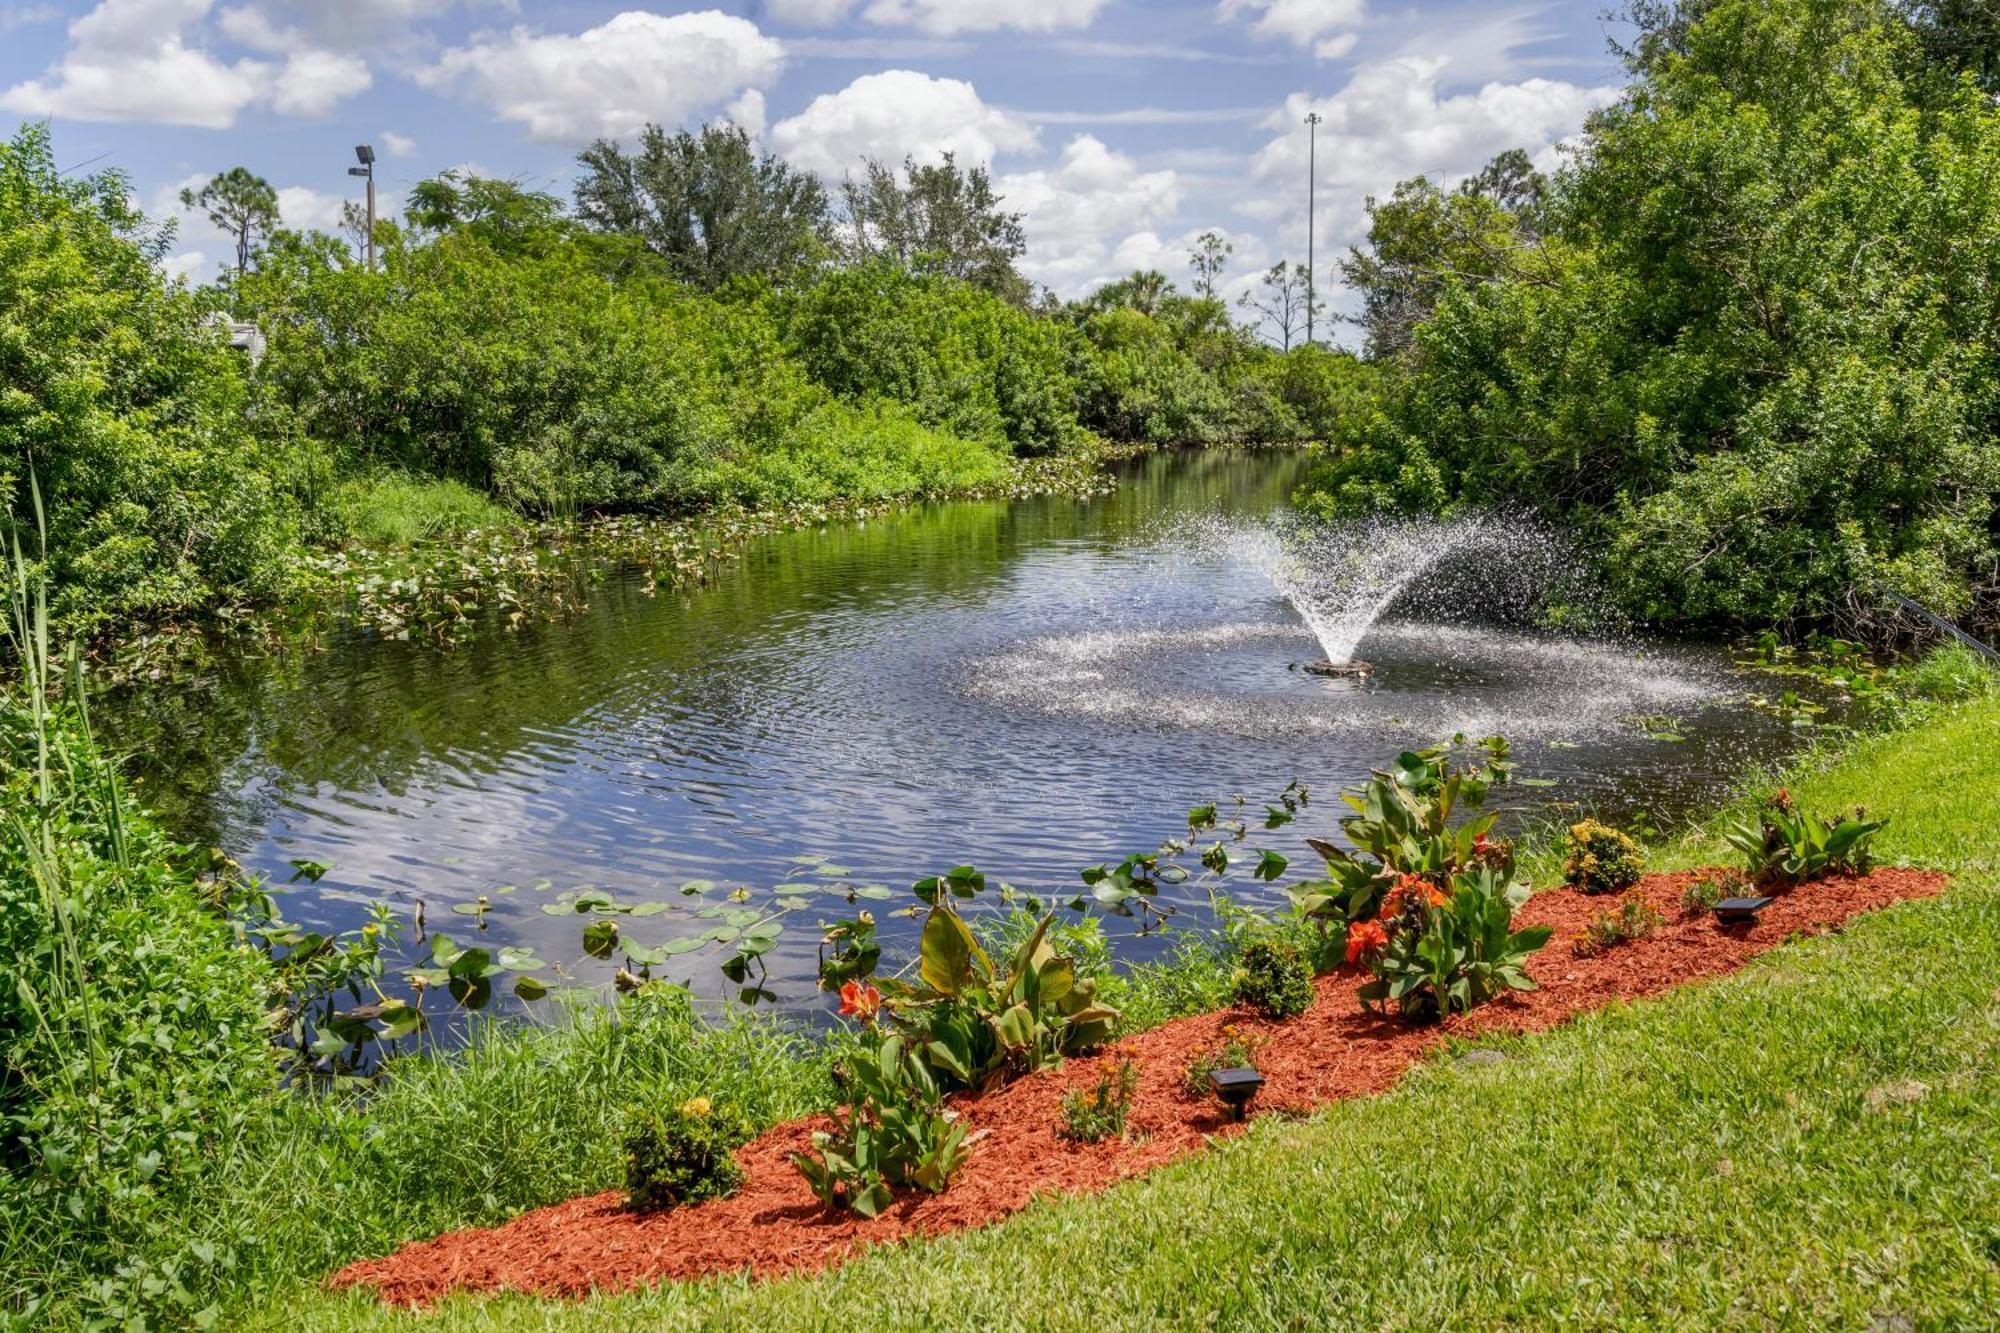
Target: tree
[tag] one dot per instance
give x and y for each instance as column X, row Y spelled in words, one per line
column 1961, row 36
column 1145, row 290
column 707, row 204
column 936, row 218
column 1422, row 238
column 1280, row 302
column 242, row 204
column 1209, row 255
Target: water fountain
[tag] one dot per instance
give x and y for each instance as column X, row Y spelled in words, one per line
column 1340, row 578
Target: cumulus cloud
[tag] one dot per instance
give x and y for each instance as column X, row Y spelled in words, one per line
column 1084, row 209
column 611, row 79
column 1392, row 121
column 945, row 17
column 398, row 145
column 314, row 82
column 130, row 60
column 351, row 25
column 146, row 60
column 895, row 114
column 1324, row 26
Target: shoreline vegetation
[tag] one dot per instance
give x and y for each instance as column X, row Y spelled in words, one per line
column 218, row 1191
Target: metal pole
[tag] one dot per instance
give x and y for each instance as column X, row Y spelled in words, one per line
column 1312, row 206
column 371, row 217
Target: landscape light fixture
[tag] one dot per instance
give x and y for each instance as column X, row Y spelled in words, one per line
column 1235, row 1087
column 365, row 155
column 1739, row 911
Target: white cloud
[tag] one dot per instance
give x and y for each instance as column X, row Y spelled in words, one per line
column 611, row 79
column 810, row 13
column 895, row 114
column 303, row 208
column 945, row 17
column 188, row 264
column 1327, row 26
column 314, row 82
column 398, row 145
column 145, row 60
column 1078, row 210
column 1391, row 122
column 129, row 60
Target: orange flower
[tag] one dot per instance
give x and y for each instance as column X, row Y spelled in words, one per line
column 860, row 1000
column 1412, row 889
column 1364, row 938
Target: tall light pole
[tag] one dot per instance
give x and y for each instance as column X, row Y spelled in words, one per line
column 365, row 155
column 1313, row 120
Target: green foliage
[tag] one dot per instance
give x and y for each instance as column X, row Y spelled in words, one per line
column 1788, row 846
column 1234, row 1052
column 1948, row 674
column 1748, row 345
column 957, row 358
column 1401, row 827
column 1601, row 859
column 1702, row 894
column 396, row 509
column 1453, row 953
column 684, row 1154
column 710, row 207
column 134, row 1054
column 890, row 1132
column 241, row 204
column 940, row 219
column 1099, row 1112
column 132, row 414
column 1633, row 919
column 1273, row 979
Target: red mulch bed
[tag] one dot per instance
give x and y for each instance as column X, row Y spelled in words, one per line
column 1335, row 1050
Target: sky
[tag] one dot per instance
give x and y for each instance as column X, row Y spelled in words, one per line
column 1121, row 128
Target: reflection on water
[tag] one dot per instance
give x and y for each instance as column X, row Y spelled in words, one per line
column 1029, row 686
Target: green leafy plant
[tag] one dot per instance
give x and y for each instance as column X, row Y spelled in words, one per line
column 1099, row 1112
column 1273, row 979
column 1401, row 825
column 684, row 1155
column 1633, row 919
column 890, row 1132
column 1703, row 893
column 1234, row 1051
column 1601, row 859
column 1434, row 952
column 1788, row 846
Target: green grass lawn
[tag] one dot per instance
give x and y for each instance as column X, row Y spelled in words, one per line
column 1811, row 1143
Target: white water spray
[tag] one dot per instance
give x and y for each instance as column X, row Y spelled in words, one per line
column 1341, row 578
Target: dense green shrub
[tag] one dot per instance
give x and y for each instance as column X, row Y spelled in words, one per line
column 134, row 1058
column 129, row 411
column 1784, row 845
column 684, row 1154
column 959, row 359
column 1273, row 979
column 1600, row 859
column 1747, row 345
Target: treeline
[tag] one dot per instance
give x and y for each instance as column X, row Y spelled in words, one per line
column 705, row 326
column 1745, row 340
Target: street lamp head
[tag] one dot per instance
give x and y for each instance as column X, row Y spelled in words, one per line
column 364, row 154
column 1315, row 118
column 358, row 171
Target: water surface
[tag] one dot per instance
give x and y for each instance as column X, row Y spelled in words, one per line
column 1029, row 686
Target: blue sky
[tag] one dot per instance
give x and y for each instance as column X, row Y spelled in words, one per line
column 1120, row 127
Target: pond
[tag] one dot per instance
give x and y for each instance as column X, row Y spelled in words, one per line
column 1029, row 686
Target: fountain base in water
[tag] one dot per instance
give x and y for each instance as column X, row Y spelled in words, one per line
column 1355, row 669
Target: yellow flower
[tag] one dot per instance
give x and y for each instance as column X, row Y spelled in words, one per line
column 695, row 1108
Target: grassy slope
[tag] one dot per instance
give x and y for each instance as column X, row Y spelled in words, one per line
column 1737, row 1153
